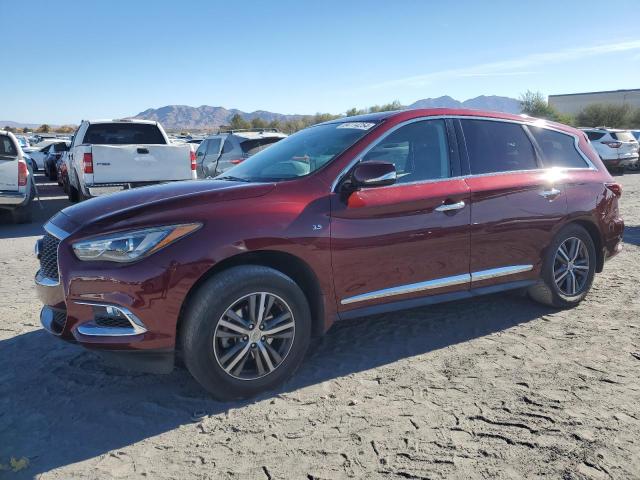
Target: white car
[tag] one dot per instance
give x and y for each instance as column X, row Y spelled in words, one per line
column 16, row 181
column 40, row 151
column 617, row 148
column 111, row 155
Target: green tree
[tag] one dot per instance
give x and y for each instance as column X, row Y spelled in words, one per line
column 605, row 115
column 535, row 104
column 44, row 128
column 258, row 123
column 25, row 130
column 634, row 121
column 238, row 123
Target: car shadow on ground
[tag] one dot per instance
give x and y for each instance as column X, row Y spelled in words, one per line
column 60, row 404
column 51, row 200
column 632, row 234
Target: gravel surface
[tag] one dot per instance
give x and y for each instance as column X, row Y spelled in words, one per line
column 496, row 387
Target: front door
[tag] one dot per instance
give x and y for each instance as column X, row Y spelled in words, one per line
column 406, row 240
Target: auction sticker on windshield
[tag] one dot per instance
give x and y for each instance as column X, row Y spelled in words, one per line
column 357, row 125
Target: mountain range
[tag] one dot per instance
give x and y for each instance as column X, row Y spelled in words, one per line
column 174, row 117
column 205, row 117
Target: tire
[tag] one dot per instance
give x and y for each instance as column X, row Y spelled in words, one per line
column 73, row 194
column 23, row 214
column 560, row 295
column 203, row 349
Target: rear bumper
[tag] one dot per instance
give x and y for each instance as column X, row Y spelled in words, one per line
column 98, row 189
column 620, row 162
column 13, row 199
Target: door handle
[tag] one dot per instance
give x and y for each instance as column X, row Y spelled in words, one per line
column 550, row 194
column 448, row 207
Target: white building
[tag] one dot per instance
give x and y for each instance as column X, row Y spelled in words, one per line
column 573, row 103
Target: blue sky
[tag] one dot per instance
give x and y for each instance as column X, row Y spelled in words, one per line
column 97, row 59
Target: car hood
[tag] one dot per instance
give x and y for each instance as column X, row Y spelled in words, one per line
column 157, row 197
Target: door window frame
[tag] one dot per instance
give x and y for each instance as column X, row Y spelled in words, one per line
column 452, row 142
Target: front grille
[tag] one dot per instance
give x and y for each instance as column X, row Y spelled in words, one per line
column 49, row 256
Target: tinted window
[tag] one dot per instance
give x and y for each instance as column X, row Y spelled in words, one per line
column 60, row 147
column 418, row 150
column 228, row 146
column 593, row 136
column 254, row 146
column 623, row 136
column 123, row 134
column 202, row 148
column 213, row 147
column 7, row 148
column 559, row 150
column 498, row 147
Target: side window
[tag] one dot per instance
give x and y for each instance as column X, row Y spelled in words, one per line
column 419, row 151
column 213, row 147
column 559, row 149
column 593, row 136
column 495, row 146
column 201, row 148
column 7, row 148
column 228, row 146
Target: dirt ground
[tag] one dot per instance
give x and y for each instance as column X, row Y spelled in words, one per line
column 497, row 387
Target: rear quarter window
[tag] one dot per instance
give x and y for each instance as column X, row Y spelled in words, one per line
column 123, row 134
column 254, row 146
column 593, row 136
column 495, row 146
column 623, row 136
column 7, row 148
column 558, row 149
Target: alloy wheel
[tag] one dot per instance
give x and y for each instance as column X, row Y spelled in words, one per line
column 571, row 267
column 254, row 336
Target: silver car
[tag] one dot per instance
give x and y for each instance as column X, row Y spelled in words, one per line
column 222, row 151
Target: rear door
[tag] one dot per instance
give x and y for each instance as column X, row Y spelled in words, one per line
column 211, row 156
column 8, row 164
column 515, row 203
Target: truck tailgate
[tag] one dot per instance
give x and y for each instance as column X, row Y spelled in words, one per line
column 140, row 163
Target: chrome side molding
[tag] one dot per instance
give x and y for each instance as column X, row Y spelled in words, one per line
column 439, row 283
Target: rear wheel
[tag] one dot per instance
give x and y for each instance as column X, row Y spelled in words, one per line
column 245, row 331
column 568, row 269
column 72, row 193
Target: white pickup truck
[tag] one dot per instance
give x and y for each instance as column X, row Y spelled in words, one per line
column 17, row 189
column 111, row 155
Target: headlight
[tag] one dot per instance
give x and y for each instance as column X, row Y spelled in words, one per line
column 130, row 246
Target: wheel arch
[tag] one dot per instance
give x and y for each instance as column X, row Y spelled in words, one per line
column 292, row 266
column 594, row 232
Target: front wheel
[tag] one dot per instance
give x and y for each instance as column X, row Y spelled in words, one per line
column 568, row 269
column 245, row 331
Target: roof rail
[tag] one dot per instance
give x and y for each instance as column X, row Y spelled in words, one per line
column 239, row 130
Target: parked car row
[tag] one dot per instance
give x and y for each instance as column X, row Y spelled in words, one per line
column 618, row 149
column 106, row 156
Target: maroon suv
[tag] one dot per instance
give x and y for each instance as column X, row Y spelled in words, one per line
column 348, row 218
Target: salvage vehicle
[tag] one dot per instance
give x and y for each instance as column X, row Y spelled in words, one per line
column 51, row 159
column 618, row 149
column 218, row 153
column 40, row 151
column 348, row 218
column 17, row 189
column 107, row 156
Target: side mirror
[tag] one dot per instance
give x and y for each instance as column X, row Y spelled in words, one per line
column 373, row 174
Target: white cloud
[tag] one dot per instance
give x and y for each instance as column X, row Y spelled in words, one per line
column 514, row 66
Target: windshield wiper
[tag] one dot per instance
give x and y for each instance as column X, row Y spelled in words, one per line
column 231, row 178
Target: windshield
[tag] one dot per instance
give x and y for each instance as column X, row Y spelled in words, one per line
column 300, row 154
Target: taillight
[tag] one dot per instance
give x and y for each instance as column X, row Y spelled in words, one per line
column 193, row 160
column 613, row 144
column 616, row 188
column 23, row 173
column 87, row 162
column 236, row 161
